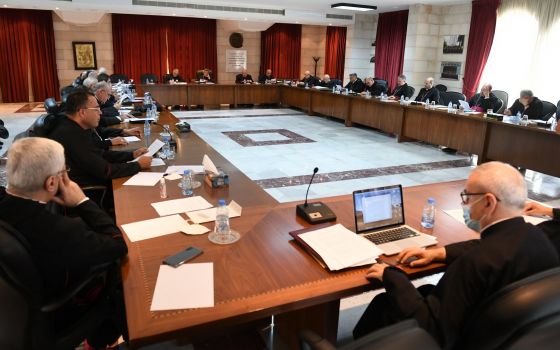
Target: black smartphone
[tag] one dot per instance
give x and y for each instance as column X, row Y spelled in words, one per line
column 182, row 257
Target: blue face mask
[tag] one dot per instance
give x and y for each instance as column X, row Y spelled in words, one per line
column 472, row 224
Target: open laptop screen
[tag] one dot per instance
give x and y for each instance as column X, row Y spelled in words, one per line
column 378, row 208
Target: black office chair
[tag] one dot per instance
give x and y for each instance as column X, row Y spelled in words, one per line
column 403, row 335
column 502, row 95
column 339, row 82
column 45, row 123
column 65, row 91
column 382, row 82
column 453, row 97
column 116, row 77
column 523, row 315
column 501, row 108
column 412, row 91
column 26, row 317
column 441, row 87
column 549, row 109
column 152, row 77
column 557, row 109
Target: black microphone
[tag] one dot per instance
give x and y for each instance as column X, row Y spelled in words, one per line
column 315, row 212
column 310, row 181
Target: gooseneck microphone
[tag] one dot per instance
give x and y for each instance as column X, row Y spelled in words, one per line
column 314, row 212
column 310, row 181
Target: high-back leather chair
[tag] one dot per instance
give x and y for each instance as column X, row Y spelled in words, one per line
column 451, row 96
column 26, row 317
column 441, row 87
column 502, row 95
column 382, row 82
column 152, row 77
column 549, row 109
column 116, row 77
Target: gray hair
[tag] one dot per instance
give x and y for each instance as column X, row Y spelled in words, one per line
column 526, row 93
column 31, row 161
column 504, row 181
column 402, row 76
column 89, row 82
column 102, row 70
column 101, row 85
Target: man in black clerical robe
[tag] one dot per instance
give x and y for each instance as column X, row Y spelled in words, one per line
column 267, row 77
column 243, row 78
column 485, row 100
column 402, row 90
column 526, row 104
column 374, row 88
column 428, row 92
column 509, row 249
column 174, row 77
column 355, row 84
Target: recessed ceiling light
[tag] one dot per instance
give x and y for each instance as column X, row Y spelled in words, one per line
column 174, row 15
column 353, row 7
column 205, row 16
column 245, row 18
column 56, row 8
column 5, row 5
column 297, row 22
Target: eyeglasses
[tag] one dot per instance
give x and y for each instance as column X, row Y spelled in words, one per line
column 465, row 196
column 93, row 108
column 65, row 170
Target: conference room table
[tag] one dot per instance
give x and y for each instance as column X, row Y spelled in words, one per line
column 265, row 273
column 489, row 139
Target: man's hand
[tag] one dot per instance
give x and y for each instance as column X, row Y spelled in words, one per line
column 376, row 271
column 145, row 162
column 118, row 141
column 534, row 208
column 139, row 152
column 117, row 105
column 132, row 132
column 69, row 193
column 424, row 256
column 507, row 112
column 486, row 94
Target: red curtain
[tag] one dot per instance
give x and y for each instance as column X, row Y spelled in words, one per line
column 139, row 45
column 43, row 56
column 27, row 42
column 335, row 52
column 390, row 43
column 281, row 50
column 481, row 36
column 192, row 46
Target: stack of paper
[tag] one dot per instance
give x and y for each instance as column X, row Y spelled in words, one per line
column 341, row 248
column 144, row 179
column 176, row 206
column 146, row 229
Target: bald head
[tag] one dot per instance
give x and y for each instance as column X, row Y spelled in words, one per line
column 429, row 82
column 326, row 78
column 503, row 181
column 307, row 74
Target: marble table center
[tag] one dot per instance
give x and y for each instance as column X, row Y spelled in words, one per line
column 269, row 136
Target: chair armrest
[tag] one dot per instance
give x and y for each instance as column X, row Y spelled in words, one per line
column 71, row 292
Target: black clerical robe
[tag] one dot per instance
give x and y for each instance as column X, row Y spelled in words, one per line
column 375, row 89
column 428, row 94
column 533, row 111
column 507, row 251
column 356, row 86
column 492, row 102
column 63, row 248
column 90, row 164
column 263, row 78
column 403, row 91
column 240, row 79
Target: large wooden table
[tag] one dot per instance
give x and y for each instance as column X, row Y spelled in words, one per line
column 489, row 139
column 265, row 273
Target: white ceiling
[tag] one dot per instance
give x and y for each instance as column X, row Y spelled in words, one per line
column 297, row 11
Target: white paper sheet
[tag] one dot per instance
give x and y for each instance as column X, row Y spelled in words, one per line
column 134, row 119
column 341, row 248
column 194, row 229
column 457, row 214
column 157, row 162
column 179, row 169
column 209, row 165
column 131, row 138
column 146, row 229
column 144, row 179
column 184, row 287
column 176, row 206
column 208, row 215
column 172, row 177
column 154, row 147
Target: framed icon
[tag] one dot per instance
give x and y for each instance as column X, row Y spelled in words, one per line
column 84, row 55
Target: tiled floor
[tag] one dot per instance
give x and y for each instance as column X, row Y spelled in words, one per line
column 15, row 120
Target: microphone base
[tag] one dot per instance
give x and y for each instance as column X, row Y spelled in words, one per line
column 315, row 213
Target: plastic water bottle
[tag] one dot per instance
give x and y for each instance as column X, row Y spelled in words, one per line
column 554, row 124
column 517, row 118
column 450, row 108
column 186, row 183
column 165, row 149
column 427, row 105
column 222, row 218
column 333, row 89
column 147, row 129
column 429, row 213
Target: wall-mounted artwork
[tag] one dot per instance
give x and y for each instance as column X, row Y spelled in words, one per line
column 450, row 70
column 453, row 44
column 84, row 55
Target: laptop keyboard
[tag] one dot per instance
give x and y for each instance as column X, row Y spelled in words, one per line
column 391, row 235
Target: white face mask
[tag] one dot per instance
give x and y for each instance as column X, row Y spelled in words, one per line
column 472, row 224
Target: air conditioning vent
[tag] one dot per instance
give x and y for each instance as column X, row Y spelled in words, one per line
column 207, row 7
column 335, row 16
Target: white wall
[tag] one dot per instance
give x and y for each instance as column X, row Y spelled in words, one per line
column 359, row 51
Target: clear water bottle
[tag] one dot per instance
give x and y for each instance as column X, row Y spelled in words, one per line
column 427, row 105
column 223, row 234
column 333, row 89
column 147, row 129
column 429, row 213
column 450, row 107
column 186, row 183
column 165, row 149
column 554, row 124
column 517, row 118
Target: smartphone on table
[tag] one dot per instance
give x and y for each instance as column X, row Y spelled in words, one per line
column 182, row 257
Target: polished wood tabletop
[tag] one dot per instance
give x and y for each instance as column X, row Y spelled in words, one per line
column 521, row 146
column 265, row 273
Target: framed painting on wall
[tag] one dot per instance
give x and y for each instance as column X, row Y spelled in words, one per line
column 84, row 55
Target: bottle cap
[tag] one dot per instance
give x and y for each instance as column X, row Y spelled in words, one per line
column 221, row 202
column 186, row 172
column 431, row 201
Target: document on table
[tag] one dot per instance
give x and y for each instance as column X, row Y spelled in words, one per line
column 176, row 206
column 209, row 165
column 157, row 162
column 131, row 138
column 144, row 179
column 185, row 287
column 457, row 214
column 138, row 231
column 202, row 216
column 154, row 147
column 134, row 119
column 341, row 248
column 179, row 169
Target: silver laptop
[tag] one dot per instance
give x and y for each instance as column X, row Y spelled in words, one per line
column 379, row 217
